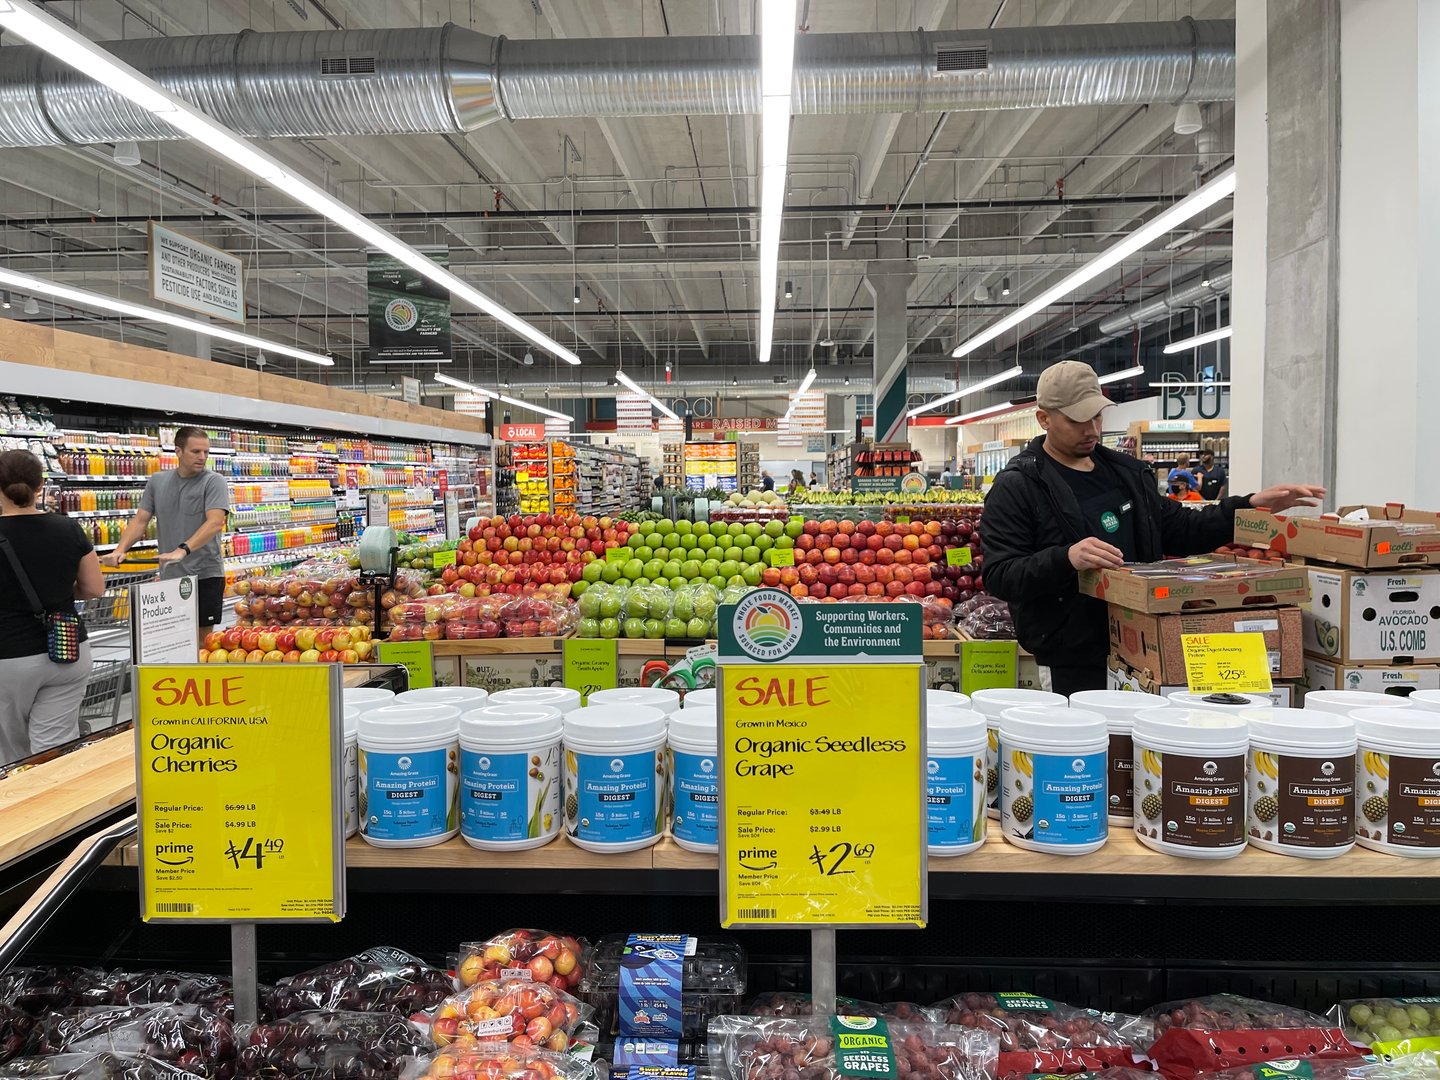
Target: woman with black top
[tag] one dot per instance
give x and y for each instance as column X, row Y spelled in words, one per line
column 39, row 699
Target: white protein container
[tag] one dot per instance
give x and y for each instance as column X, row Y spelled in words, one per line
column 955, row 743
column 365, row 698
column 1190, row 781
column 990, row 704
column 1425, row 699
column 555, row 697
column 694, row 766
column 350, row 750
column 409, row 775
column 950, row 699
column 652, row 697
column 615, row 776
column 1052, row 779
column 1225, row 702
column 702, row 698
column 1345, row 702
column 510, row 776
column 1119, row 708
column 463, row 698
column 1398, row 781
column 1300, row 777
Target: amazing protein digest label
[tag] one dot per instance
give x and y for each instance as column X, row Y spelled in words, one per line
column 1302, row 802
column 1191, row 801
column 1399, row 799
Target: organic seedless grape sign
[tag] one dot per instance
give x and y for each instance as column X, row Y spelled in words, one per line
column 822, row 759
column 239, row 793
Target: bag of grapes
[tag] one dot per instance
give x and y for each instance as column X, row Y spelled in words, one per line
column 1391, row 1026
column 1222, row 1031
column 103, row 1066
column 381, row 979
column 335, row 1045
column 1038, row 1035
column 190, row 1037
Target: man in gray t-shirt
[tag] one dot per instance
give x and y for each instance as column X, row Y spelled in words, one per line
column 190, row 504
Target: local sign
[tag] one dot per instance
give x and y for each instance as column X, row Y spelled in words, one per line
column 521, row 432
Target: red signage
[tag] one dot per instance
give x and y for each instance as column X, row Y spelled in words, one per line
column 738, row 423
column 522, row 432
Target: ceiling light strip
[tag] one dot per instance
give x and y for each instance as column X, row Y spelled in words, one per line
column 631, row 385
column 90, row 301
column 989, row 410
column 1121, row 376
column 777, row 65
column 1203, row 197
column 1198, row 340
column 973, row 388
column 70, row 47
column 460, row 384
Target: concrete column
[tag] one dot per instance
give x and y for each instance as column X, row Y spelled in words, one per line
column 187, row 342
column 889, row 283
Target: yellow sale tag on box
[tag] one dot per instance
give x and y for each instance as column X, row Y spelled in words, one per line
column 1238, row 663
column 782, row 556
column 239, row 793
column 444, row 559
column 802, row 843
column 957, row 556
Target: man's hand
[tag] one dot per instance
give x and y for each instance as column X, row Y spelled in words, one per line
column 171, row 556
column 1094, row 554
column 112, row 559
column 1284, row 496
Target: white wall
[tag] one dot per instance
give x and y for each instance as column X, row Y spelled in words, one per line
column 1248, row 259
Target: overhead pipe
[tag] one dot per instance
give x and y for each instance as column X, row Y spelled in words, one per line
column 450, row 79
column 1161, row 307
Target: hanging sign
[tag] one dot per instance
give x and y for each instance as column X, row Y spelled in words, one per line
column 164, row 622
column 409, row 314
column 195, row 276
column 521, row 432
column 239, row 793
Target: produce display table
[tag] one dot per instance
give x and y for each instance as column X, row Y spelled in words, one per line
column 63, row 798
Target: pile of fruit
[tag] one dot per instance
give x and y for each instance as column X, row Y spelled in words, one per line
column 653, row 611
column 548, row 957
column 927, row 502
column 318, row 592
column 507, row 554
column 751, row 506
column 459, row 618
column 289, row 645
column 1241, row 551
column 681, row 553
column 752, row 1048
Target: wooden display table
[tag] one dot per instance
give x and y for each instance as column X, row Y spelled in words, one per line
column 50, row 802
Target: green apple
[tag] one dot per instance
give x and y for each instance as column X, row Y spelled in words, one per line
column 589, row 604
column 644, row 554
column 785, row 543
column 592, row 571
column 577, row 588
column 645, row 528
column 705, row 541
column 664, row 525
column 587, row 628
column 654, row 628
column 683, row 607
column 697, row 628
column 609, row 627
column 633, row 628
column 684, row 528
column 675, row 628
column 794, row 528
column 735, row 529
column 653, row 569
column 610, row 573
column 610, row 604
column 754, row 529
column 736, row 581
column 689, row 543
column 751, row 555
column 775, row 527
column 690, row 569
column 751, row 574
column 718, row 528
column 729, row 568
column 705, row 605
column 672, row 568
column 710, row 567
column 764, row 542
column 734, row 553
column 678, row 582
column 717, row 581
column 672, row 540
column 660, row 603
column 633, row 569
column 635, row 540
column 662, row 553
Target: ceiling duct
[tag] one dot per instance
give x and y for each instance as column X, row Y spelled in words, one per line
column 448, row 79
column 1161, row 307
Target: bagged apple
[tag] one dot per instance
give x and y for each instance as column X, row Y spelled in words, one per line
column 534, row 954
column 1221, row 1031
column 493, row 1060
column 378, row 980
column 509, row 1010
column 537, row 617
column 1037, row 1035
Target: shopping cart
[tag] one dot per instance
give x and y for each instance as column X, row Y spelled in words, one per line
column 111, row 610
column 101, row 705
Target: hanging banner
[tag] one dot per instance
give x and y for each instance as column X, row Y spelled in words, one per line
column 409, row 314
column 195, row 276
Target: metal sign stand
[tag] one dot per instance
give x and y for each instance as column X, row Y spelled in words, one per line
column 244, row 968
column 822, row 970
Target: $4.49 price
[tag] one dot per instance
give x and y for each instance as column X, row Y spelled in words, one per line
column 254, row 851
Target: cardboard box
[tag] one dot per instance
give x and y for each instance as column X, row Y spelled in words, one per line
column 1383, row 618
column 1202, row 583
column 1393, row 536
column 1153, row 642
column 1331, row 674
column 1124, row 677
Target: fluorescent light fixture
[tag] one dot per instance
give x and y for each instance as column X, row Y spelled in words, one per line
column 1203, row 197
column 634, row 387
column 1198, row 340
column 460, row 384
column 1191, row 385
column 1120, row 376
column 83, row 298
column 805, row 382
column 73, row 48
column 409, row 360
column 973, row 388
column 535, row 408
column 577, row 294
column 777, row 69
column 980, row 412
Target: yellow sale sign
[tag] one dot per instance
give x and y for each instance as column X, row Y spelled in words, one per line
column 1215, row 663
column 239, row 793
column 822, row 795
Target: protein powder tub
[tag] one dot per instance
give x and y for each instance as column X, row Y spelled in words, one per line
column 702, row 698
column 365, row 698
column 1301, row 782
column 615, row 776
column 1398, row 777
column 990, row 704
column 653, row 697
column 1190, row 781
column 955, row 742
column 1052, row 779
column 951, row 699
column 555, row 697
column 351, row 752
column 1119, row 708
column 1425, row 699
column 1220, row 702
column 409, row 775
column 695, row 777
column 1346, row 702
column 463, row 698
column 510, row 776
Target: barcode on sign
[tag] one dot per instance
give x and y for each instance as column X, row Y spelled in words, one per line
column 174, row 909
column 756, row 913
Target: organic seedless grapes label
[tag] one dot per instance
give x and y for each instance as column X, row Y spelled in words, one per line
column 862, row 1047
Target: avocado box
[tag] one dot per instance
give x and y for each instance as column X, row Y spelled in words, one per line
column 1391, row 617
column 1402, row 680
column 1388, row 536
column 1201, row 583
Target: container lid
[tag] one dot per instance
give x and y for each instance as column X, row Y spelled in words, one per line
column 667, row 701
column 561, row 697
column 1052, row 723
column 352, row 720
column 411, row 724
column 1346, row 701
column 1220, row 702
column 947, row 725
column 1418, row 727
column 1306, row 727
column 366, row 698
column 1425, row 699
column 511, row 723
column 1200, row 726
column 696, row 724
column 995, row 701
column 464, row 697
column 950, row 698
column 698, row 698
column 615, row 723
column 1117, row 706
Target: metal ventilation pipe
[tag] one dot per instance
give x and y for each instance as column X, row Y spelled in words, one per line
column 1187, row 296
column 440, row 80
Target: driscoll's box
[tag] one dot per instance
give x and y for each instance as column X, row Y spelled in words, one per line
column 1387, row 536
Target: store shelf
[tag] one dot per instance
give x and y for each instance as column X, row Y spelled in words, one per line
column 271, row 558
column 83, row 478
column 133, row 547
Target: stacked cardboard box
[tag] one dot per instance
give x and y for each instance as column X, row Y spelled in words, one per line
column 1373, row 618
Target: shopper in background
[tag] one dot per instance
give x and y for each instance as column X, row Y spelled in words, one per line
column 1182, row 484
column 767, row 482
column 1066, row 504
column 814, row 480
column 39, row 699
column 1214, row 482
column 797, row 482
column 190, row 503
column 945, row 475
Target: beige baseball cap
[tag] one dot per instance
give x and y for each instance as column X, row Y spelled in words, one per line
column 1072, row 388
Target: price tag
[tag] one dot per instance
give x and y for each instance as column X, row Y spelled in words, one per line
column 240, row 793
column 443, row 559
column 591, row 664
column 986, row 665
column 902, row 519
column 417, row 657
column 957, row 556
column 621, row 554
column 782, row 556
column 1238, row 663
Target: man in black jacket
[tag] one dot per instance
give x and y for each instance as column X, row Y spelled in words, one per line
column 1065, row 504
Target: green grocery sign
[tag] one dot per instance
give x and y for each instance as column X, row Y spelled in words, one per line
column 771, row 627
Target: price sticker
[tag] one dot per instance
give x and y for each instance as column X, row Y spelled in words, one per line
column 591, row 664
column 957, row 556
column 1217, row 663
column 902, row 519
column 782, row 556
column 621, row 554
column 417, row 657
column 443, row 559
